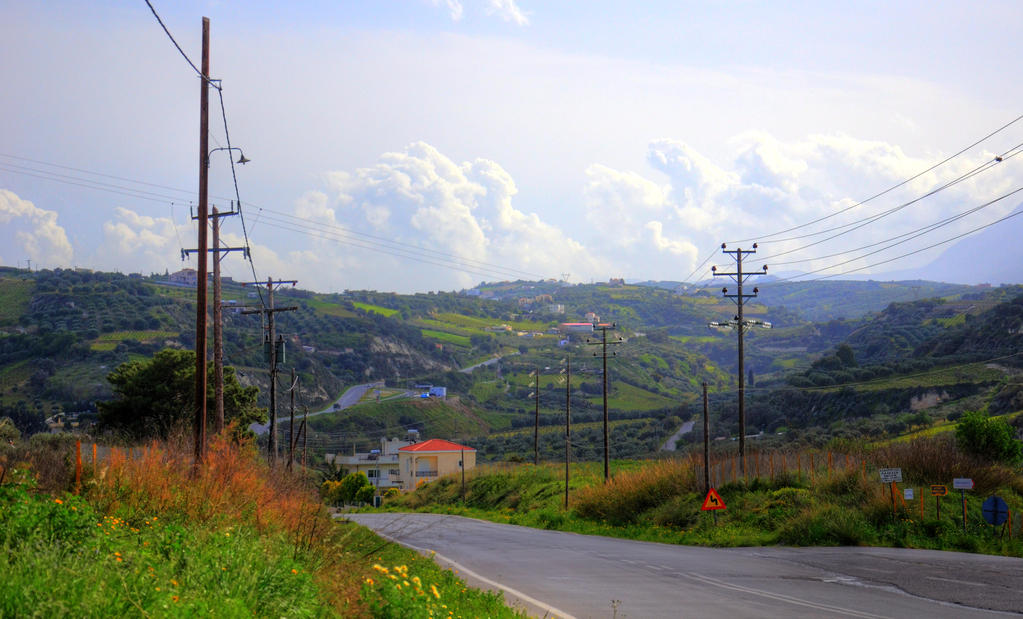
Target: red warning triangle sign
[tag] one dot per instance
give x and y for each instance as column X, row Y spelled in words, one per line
column 713, row 501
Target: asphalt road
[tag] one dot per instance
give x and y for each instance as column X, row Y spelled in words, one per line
column 569, row 575
column 350, row 397
column 669, row 445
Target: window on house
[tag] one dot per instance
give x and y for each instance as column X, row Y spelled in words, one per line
column 373, row 473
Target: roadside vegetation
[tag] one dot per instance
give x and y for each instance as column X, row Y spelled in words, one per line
column 141, row 533
column 803, row 498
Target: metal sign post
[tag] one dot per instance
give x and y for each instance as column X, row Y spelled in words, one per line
column 962, row 484
column 891, row 477
column 938, row 491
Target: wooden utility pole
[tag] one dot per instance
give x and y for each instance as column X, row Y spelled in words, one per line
column 200, row 311
column 568, row 421
column 536, row 426
column 218, row 314
column 607, row 441
column 291, row 428
column 270, row 345
column 218, row 332
column 740, row 323
column 706, row 444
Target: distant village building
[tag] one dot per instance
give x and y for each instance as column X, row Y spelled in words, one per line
column 556, row 308
column 576, row 327
column 184, row 277
column 379, row 465
column 426, row 461
column 593, row 318
column 616, row 282
column 407, row 464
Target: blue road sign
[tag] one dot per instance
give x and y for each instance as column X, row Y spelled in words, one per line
column 995, row 510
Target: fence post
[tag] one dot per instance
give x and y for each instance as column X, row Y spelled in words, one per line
column 78, row 465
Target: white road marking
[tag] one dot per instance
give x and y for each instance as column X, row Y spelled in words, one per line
column 783, row 598
column 461, row 568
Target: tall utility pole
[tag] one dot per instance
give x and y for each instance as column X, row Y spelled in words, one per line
column 536, row 426
column 200, row 284
column 291, row 428
column 218, row 313
column 706, row 443
column 568, row 421
column 739, row 277
column 603, row 344
column 270, row 344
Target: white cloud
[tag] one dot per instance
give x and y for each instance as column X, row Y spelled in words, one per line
column 145, row 244
column 774, row 185
column 36, row 230
column 454, row 8
column 441, row 212
column 508, row 11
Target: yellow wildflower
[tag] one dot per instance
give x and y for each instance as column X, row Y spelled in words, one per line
column 369, row 581
column 294, row 571
column 58, row 501
column 433, row 589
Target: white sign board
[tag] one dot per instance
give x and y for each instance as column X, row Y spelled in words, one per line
column 962, row 483
column 891, row 475
column 908, row 494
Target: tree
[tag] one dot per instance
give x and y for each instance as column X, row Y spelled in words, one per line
column 157, row 395
column 987, row 437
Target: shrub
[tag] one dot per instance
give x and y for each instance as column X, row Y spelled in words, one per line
column 987, row 437
column 827, row 525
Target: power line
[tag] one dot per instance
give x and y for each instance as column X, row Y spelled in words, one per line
column 861, row 223
column 906, row 255
column 906, row 237
column 305, row 225
column 766, row 237
column 211, row 82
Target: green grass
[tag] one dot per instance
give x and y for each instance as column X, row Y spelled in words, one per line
column 660, row 501
column 450, row 338
column 331, row 309
column 973, row 373
column 407, row 584
column 15, row 295
column 478, row 324
column 60, row 557
column 628, row 397
column 367, row 307
column 109, row 341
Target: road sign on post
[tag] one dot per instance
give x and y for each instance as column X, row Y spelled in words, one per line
column 713, row 501
column 939, row 490
column 891, row 476
column 995, row 510
column 962, row 484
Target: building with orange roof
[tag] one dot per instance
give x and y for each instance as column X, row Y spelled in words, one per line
column 433, row 458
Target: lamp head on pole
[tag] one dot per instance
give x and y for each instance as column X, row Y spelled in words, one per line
column 242, row 159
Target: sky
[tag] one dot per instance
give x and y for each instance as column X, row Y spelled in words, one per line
column 417, row 145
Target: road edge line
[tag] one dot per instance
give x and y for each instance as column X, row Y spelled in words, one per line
column 461, row 568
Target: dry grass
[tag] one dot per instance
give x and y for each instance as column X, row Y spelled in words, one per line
column 629, row 494
column 233, row 488
column 936, row 460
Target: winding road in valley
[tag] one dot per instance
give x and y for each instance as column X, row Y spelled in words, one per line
column 552, row 573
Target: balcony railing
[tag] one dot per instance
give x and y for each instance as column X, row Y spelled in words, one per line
column 424, row 473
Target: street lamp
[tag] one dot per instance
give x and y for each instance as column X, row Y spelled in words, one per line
column 241, row 159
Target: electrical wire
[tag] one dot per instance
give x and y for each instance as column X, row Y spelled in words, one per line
column 906, row 255
column 214, row 83
column 905, row 237
column 368, row 241
column 856, row 225
column 764, row 238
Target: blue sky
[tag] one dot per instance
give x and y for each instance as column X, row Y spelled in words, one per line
column 416, row 145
